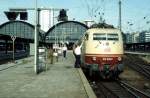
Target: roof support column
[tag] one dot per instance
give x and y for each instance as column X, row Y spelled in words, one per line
column 36, row 61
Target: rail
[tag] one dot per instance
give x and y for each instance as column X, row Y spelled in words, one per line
column 133, row 89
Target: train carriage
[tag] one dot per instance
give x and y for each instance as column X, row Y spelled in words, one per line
column 102, row 52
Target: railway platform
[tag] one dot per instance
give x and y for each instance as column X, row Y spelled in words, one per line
column 61, row 80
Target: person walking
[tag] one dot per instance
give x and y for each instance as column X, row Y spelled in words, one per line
column 64, row 51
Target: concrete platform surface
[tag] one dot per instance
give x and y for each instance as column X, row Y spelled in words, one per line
column 61, row 80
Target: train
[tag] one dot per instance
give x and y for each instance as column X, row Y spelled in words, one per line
column 102, row 51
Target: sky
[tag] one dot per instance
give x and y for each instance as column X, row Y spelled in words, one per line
column 136, row 12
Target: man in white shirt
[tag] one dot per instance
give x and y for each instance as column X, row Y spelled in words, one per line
column 77, row 52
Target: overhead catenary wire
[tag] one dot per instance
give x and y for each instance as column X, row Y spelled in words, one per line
column 136, row 19
column 95, row 8
column 144, row 22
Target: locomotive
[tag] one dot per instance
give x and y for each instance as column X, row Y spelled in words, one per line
column 102, row 51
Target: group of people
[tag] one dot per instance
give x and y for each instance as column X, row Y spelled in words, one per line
column 76, row 52
column 57, row 51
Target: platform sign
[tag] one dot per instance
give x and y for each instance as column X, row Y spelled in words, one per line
column 13, row 39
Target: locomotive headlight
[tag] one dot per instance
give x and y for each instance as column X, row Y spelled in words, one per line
column 94, row 58
column 119, row 58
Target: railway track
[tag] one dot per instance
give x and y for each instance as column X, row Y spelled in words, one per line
column 114, row 90
column 103, row 92
column 139, row 65
column 138, row 93
column 3, row 67
column 5, row 58
column 8, row 58
column 117, row 89
column 141, row 69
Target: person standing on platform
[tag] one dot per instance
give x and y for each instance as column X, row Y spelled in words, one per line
column 64, row 51
column 74, row 47
column 50, row 55
column 77, row 52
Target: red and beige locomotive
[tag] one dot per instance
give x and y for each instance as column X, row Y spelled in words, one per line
column 102, row 51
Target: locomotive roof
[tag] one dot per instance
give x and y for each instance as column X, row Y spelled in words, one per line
column 110, row 30
column 102, row 25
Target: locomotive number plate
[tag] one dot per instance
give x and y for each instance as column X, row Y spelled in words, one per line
column 107, row 59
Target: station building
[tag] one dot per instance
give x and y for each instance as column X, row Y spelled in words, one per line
column 63, row 32
column 145, row 36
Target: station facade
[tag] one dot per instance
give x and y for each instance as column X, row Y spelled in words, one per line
column 23, row 33
column 68, row 31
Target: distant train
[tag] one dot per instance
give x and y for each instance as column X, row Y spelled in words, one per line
column 102, row 51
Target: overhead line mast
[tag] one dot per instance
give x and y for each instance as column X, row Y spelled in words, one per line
column 120, row 17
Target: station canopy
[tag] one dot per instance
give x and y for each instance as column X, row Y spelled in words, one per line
column 68, row 31
column 20, row 29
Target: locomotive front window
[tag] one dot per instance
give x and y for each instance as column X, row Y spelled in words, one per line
column 113, row 37
column 97, row 36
